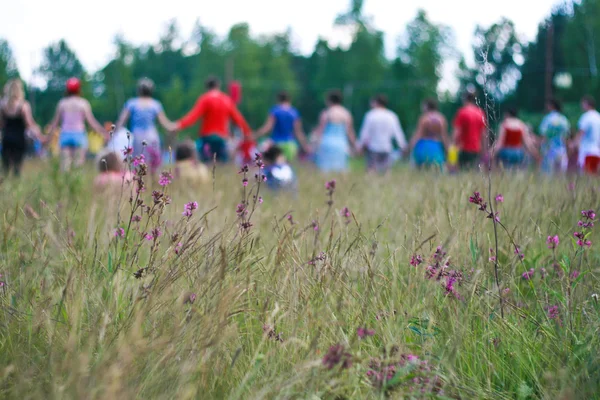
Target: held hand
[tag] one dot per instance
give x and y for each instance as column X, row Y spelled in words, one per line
column 45, row 139
column 172, row 128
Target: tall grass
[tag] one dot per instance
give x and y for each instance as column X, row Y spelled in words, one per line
column 212, row 310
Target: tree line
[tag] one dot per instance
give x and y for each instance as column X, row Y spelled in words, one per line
column 508, row 70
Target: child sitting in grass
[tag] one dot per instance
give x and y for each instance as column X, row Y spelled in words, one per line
column 280, row 175
column 187, row 167
column 112, row 175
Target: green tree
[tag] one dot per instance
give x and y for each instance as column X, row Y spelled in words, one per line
column 59, row 63
column 418, row 69
column 499, row 54
column 531, row 90
column 244, row 60
column 115, row 83
column 581, row 42
column 426, row 47
column 8, row 65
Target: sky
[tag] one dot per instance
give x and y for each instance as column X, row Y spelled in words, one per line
column 30, row 25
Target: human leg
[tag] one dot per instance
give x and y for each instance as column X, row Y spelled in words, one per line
column 66, row 158
column 289, row 149
column 18, row 156
column 468, row 160
column 5, row 160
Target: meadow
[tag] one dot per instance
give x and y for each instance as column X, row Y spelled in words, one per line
column 367, row 288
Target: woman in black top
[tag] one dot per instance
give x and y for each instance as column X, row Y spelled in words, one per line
column 15, row 119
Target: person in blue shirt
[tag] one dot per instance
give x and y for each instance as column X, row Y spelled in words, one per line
column 285, row 126
column 554, row 130
column 280, row 175
column 142, row 113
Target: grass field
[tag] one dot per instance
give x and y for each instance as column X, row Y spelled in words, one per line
column 324, row 304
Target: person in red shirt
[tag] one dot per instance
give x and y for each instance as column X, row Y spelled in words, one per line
column 216, row 110
column 469, row 132
column 514, row 141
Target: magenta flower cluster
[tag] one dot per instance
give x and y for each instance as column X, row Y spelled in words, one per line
column 528, row 275
column 154, row 234
column 337, row 355
column 330, row 186
column 178, row 248
column 165, row 178
column 364, row 332
column 586, row 223
column 581, row 239
column 189, row 209
column 346, row 214
column 416, row 260
column 320, row 257
column 553, row 312
column 139, row 160
column 272, row 334
column 258, row 161
column 519, row 253
column 493, row 257
column 440, row 270
column 552, row 242
column 420, row 381
column 483, row 206
column 241, row 210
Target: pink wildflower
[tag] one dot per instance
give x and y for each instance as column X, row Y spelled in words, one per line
column 581, row 239
column 416, row 260
column 574, row 275
column 589, row 214
column 189, row 209
column 519, row 253
column 364, row 332
column 178, row 248
column 553, row 312
column 552, row 242
column 412, row 358
column 337, row 354
column 241, row 210
column 139, row 160
column 527, row 275
column 165, row 178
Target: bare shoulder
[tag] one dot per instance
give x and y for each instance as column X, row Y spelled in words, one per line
column 347, row 113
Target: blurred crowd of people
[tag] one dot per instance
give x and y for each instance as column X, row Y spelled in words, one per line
column 463, row 144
